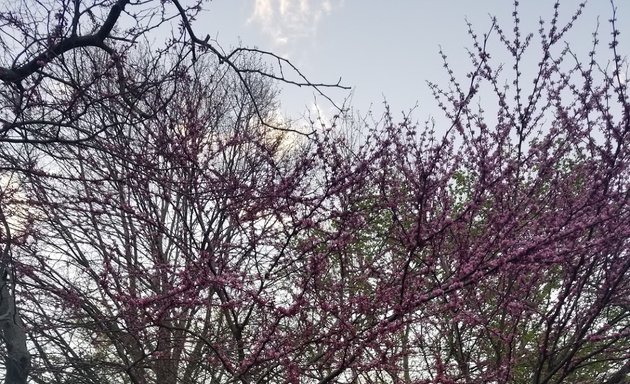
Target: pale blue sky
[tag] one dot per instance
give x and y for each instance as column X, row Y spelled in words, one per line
column 384, row 49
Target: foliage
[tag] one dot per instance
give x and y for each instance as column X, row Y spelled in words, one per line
column 191, row 238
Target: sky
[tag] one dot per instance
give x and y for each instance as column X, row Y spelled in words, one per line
column 385, row 50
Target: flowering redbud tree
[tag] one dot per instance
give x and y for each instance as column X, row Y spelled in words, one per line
column 64, row 63
column 199, row 245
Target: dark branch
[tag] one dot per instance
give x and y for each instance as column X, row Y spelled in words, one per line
column 16, row 75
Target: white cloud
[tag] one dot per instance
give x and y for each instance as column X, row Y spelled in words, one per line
column 288, row 21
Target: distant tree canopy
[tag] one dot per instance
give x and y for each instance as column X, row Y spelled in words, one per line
column 161, row 224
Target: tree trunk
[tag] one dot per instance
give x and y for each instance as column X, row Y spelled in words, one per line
column 18, row 359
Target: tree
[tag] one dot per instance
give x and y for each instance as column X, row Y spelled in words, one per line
column 45, row 45
column 58, row 60
column 197, row 244
column 156, row 211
